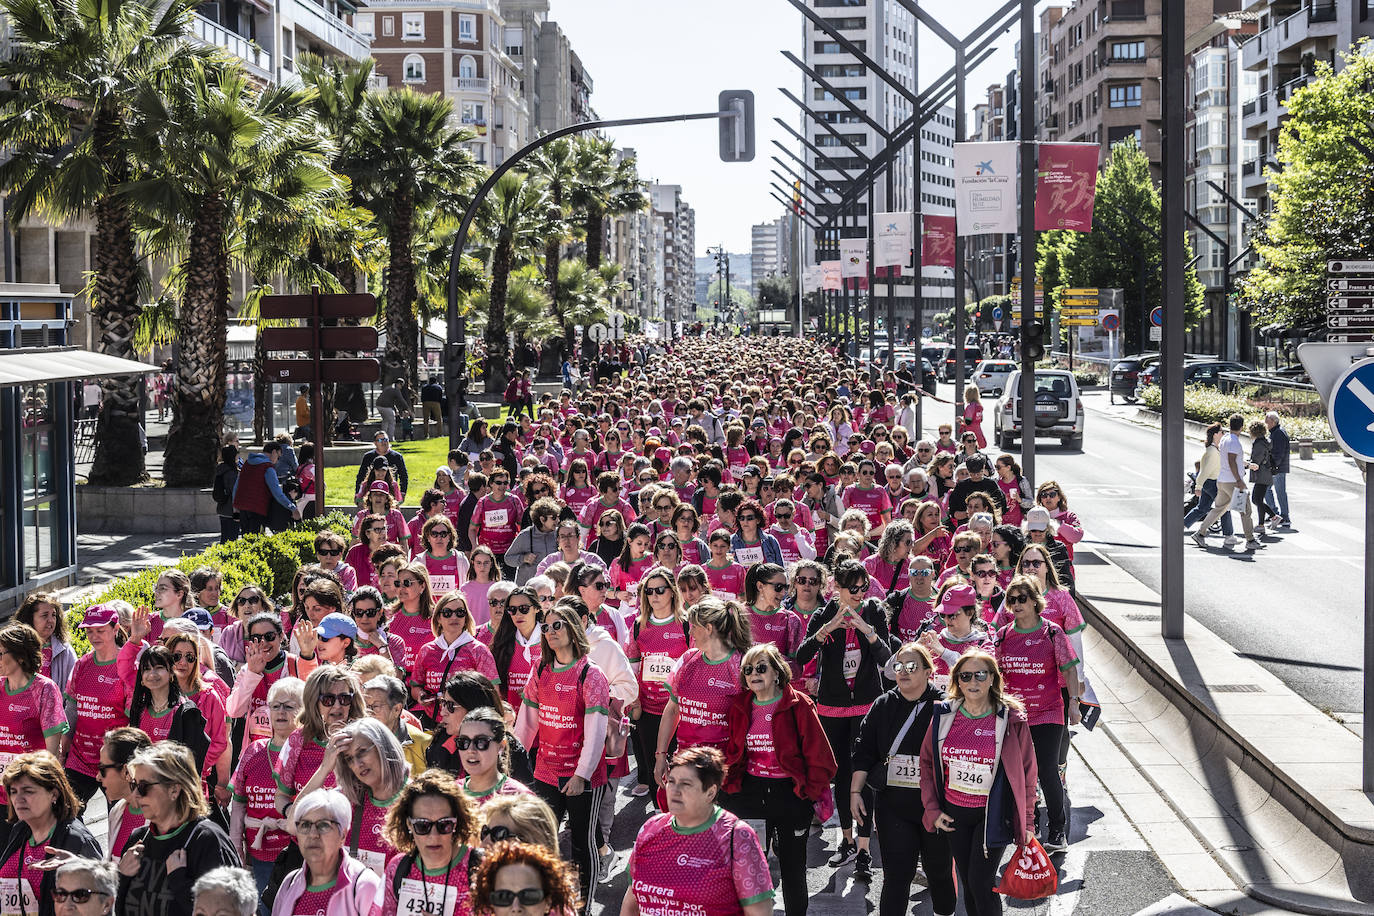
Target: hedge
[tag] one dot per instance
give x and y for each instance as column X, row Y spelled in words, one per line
column 268, row 561
column 1206, row 404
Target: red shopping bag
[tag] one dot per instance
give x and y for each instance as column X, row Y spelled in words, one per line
column 1030, row 875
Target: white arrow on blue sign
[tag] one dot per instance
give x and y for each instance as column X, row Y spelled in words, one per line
column 1351, row 411
column 997, row 313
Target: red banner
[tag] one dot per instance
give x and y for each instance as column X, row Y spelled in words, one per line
column 1065, row 186
column 937, row 241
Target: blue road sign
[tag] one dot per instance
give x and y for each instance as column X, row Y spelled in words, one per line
column 1111, row 322
column 1157, row 317
column 1351, row 410
column 997, row 313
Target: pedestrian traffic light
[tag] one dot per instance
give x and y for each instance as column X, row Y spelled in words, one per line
column 1033, row 347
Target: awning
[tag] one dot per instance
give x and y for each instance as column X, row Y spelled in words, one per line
column 63, row 364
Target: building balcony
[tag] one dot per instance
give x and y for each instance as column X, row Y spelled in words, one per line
column 471, row 84
column 330, row 29
column 255, row 59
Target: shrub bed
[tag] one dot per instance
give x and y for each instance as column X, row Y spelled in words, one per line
column 268, row 561
column 1205, row 404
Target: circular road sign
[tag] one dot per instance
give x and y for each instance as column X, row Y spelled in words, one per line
column 1111, row 322
column 599, row 332
column 997, row 313
column 1157, row 317
column 1351, row 410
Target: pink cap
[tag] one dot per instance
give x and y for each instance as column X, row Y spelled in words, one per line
column 379, row 486
column 99, row 615
column 958, row 598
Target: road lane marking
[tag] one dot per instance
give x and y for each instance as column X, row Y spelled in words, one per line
column 1144, row 534
column 1347, row 532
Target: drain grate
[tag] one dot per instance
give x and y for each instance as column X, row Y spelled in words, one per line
column 1233, row 688
column 1142, row 618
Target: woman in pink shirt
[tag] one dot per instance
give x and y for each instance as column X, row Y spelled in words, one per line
column 971, row 420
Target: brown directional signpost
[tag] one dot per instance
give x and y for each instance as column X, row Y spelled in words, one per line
column 1350, row 301
column 313, row 343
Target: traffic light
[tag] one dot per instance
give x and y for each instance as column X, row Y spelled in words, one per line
column 1033, row 346
column 737, row 129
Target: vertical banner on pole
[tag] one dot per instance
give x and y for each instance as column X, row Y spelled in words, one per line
column 937, row 241
column 892, row 240
column 853, row 258
column 830, row 275
column 985, row 187
column 1066, row 184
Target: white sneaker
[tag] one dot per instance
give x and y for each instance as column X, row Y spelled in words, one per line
column 1231, row 540
column 1200, row 539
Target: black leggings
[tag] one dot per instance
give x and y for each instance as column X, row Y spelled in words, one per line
column 1047, row 740
column 977, row 872
column 582, row 811
column 645, row 745
column 788, row 819
column 902, row 840
column 1257, row 491
column 841, row 732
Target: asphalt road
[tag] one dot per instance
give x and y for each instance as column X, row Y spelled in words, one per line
column 1295, row 606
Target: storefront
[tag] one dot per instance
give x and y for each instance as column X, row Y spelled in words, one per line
column 40, row 394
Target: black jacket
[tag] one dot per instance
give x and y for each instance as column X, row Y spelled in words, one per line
column 868, row 682
column 70, row 835
column 959, row 495
column 188, row 728
column 154, row 891
column 879, row 729
column 393, row 458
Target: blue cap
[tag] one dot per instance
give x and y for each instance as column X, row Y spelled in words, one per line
column 337, row 625
column 200, row 617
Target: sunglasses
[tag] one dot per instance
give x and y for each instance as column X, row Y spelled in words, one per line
column 376, row 530
column 407, row 583
column 760, row 668
column 965, row 549
column 453, row 612
column 1020, row 599
column 922, row 573
column 499, row 834
column 749, row 518
column 655, row 590
column 188, row 657
column 248, row 599
column 144, row 786
column 901, row 667
column 440, row 534
column 528, row 896
column 449, row 706
column 263, row 637
column 366, row 613
column 782, row 516
column 556, row 626
column 776, row 586
column 808, row 581
column 519, row 608
column 108, row 766
column 966, row 677
column 421, row 826
column 328, row 553
column 986, row 574
column 1049, row 493
column 856, row 587
column 330, row 700
column 481, row 742
column 77, row 895
column 1032, row 564
column 599, row 586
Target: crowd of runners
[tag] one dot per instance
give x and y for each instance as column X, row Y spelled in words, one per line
column 730, row 594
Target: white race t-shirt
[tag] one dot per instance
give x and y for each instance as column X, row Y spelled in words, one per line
column 1230, row 445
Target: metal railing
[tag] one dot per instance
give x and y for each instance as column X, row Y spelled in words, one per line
column 1266, row 392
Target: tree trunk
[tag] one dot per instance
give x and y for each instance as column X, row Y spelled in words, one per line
column 402, row 334
column 262, row 394
column 194, row 439
column 595, row 226
column 119, row 459
column 495, row 336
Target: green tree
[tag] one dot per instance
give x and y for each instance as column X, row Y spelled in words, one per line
column 1323, row 197
column 409, row 158
column 582, row 294
column 516, row 210
column 556, row 164
column 527, row 308
column 233, row 161
column 74, row 78
column 607, row 187
column 1123, row 250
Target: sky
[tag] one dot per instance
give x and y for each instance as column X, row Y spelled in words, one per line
column 657, row 57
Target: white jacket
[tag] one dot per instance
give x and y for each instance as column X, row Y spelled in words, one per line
column 607, row 655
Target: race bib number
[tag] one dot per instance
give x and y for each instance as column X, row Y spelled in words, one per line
column 375, row 861
column 17, row 896
column 941, row 681
column 414, row 901
column 495, row 518
column 737, row 470
column 440, row 584
column 970, row 778
column 259, row 720
column 748, row 556
column 724, row 594
column 903, row 772
column 851, row 663
column 657, row 667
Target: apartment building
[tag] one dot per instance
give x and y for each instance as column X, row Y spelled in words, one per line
column 557, row 87
column 453, row 48
column 629, row 243
column 1293, row 35
column 1102, row 84
column 678, row 247
column 770, row 245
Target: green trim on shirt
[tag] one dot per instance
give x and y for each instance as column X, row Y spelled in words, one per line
column 601, row 709
column 96, row 661
column 758, row 702
column 316, row 888
column 1031, row 630
column 757, row 898
column 706, row 825
column 15, row 693
column 1067, row 665
column 61, row 729
column 720, row 662
column 168, row 836
column 568, row 667
column 443, row 869
column 493, row 790
column 968, row 715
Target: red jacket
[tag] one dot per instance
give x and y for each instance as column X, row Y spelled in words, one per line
column 803, row 751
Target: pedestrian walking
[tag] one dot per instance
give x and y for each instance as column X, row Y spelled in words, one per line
column 1280, row 447
column 1209, row 466
column 1230, row 479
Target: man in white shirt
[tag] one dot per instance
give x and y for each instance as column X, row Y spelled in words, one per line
column 1230, row 478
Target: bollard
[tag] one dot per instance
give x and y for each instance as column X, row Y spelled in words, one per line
column 1305, row 449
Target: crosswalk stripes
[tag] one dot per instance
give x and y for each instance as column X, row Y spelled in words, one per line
column 1351, row 535
column 1174, row 905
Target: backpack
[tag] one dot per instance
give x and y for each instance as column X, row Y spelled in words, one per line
column 474, row 857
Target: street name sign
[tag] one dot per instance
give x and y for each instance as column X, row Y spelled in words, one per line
column 1079, row 322
column 1350, row 284
column 1350, row 322
column 1350, row 267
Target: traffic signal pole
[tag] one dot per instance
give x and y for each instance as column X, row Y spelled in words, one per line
column 1027, row 100
column 1174, row 306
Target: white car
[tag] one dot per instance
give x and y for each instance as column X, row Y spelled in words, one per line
column 1058, row 409
column 991, row 375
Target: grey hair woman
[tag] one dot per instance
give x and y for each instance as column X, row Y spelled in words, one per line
column 85, row 887
column 225, row 891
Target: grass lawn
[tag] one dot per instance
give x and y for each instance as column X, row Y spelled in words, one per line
column 422, row 457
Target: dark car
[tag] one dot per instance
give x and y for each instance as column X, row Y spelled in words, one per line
column 927, row 376
column 972, row 357
column 1197, row 372
column 1126, row 374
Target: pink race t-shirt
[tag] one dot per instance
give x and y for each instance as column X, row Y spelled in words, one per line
column 969, row 757
column 727, row 582
column 445, row 573
column 29, row 717
column 254, row 784
column 760, row 752
column 655, row 649
column 498, row 522
column 562, row 697
column 703, row 690
column 717, row 868
column 445, row 891
column 436, row 665
column 784, row 628
column 523, row 661
column 298, row 761
column 576, row 498
column 101, row 699
column 884, row 573
column 873, row 501
column 914, row 613
column 415, row 631
column 1033, row 666
column 373, row 848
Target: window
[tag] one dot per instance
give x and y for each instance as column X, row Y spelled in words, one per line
column 1128, row 50
column 854, row 94
column 467, row 28
column 1116, row 135
column 515, row 41
column 38, row 485
column 388, row 25
column 412, row 26
column 467, row 68
column 1124, row 96
column 833, row 71
column 414, row 69
column 366, row 24
column 834, row 47
column 849, row 22
column 474, row 113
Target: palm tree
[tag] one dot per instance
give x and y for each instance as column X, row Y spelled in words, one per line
column 608, row 188
column 517, row 213
column 583, row 293
column 235, row 164
column 410, row 158
column 67, row 118
column 556, row 164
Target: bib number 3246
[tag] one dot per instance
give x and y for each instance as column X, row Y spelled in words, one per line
column 970, row 778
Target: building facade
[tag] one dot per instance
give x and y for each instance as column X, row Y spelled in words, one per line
column 769, row 246
column 556, row 86
column 678, row 248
